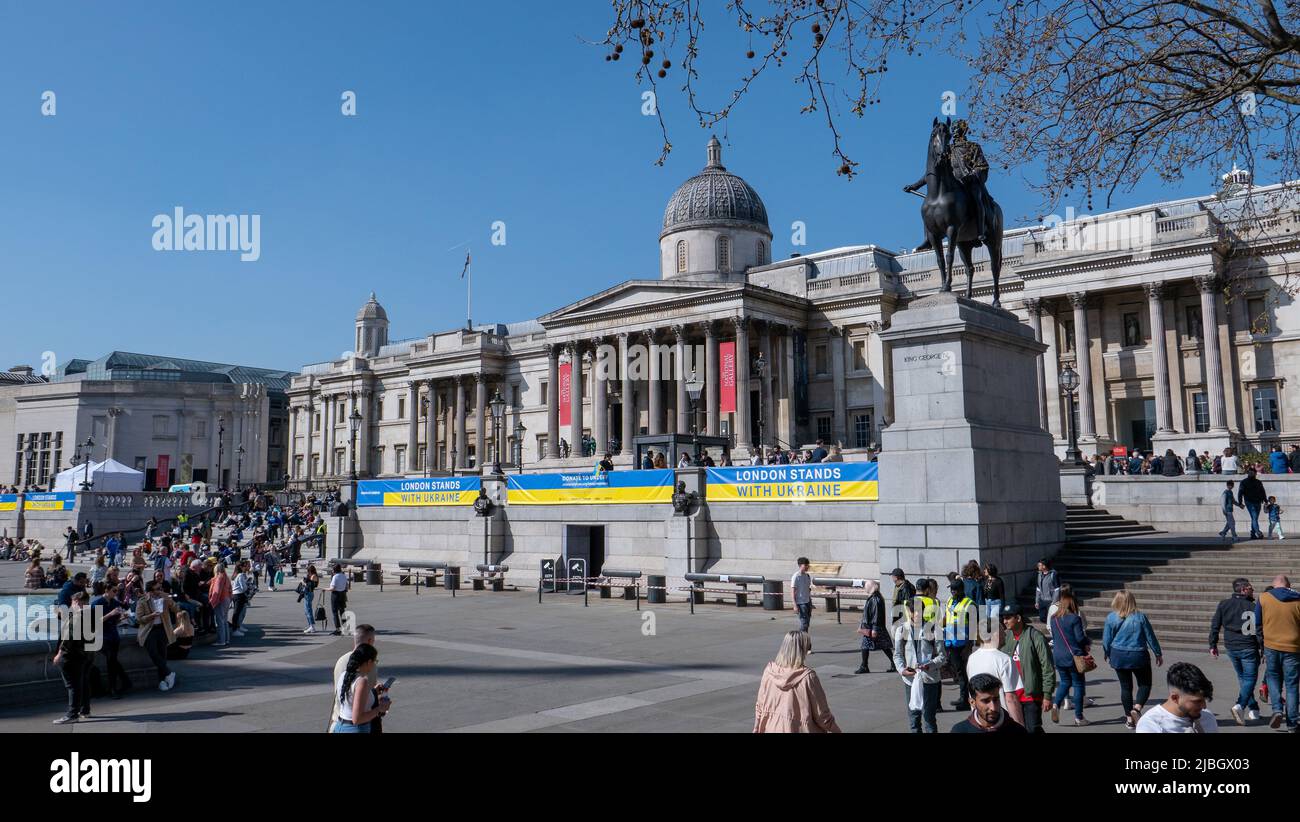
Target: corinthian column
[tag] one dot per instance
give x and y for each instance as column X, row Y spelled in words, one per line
column 712, row 397
column 742, row 434
column 1159, row 359
column 629, row 406
column 552, row 401
column 599, row 399
column 1209, row 288
column 656, row 386
column 1083, row 364
column 1034, row 307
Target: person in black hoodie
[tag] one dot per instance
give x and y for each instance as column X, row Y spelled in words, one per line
column 1242, row 646
column 72, row 658
column 1252, row 495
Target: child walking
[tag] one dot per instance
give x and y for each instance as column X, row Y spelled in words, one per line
column 1274, row 518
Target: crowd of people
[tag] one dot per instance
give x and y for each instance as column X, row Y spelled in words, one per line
column 176, row 583
column 1009, row 674
column 1136, row 462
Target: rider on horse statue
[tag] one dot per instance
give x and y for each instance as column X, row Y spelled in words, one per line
column 970, row 168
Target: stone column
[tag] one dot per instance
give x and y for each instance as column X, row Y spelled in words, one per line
column 291, row 449
column 458, row 421
column 840, row 408
column 629, row 406
column 575, row 399
column 1052, row 374
column 680, row 376
column 213, row 478
column 1083, row 364
column 712, row 380
column 655, row 387
column 413, row 425
column 448, row 401
column 1159, row 357
column 329, row 411
column 1034, row 307
column 430, row 463
column 767, row 408
column 552, row 401
column 1209, row 288
column 480, row 420
column 364, row 440
column 742, row 434
column 788, row 389
column 599, row 400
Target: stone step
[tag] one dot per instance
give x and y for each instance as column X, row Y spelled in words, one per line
column 1193, row 561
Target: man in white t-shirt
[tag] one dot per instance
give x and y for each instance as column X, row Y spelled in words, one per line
column 338, row 588
column 989, row 659
column 801, row 590
column 1184, row 711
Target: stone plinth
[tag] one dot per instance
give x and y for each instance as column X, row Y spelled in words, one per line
column 966, row 470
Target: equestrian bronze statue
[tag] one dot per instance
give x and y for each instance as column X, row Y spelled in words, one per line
column 957, row 206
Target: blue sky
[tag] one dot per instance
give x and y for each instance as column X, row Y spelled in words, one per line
column 464, row 118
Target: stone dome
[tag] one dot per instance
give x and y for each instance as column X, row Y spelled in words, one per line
column 715, row 197
column 372, row 310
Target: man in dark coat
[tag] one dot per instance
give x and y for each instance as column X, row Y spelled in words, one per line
column 1251, row 494
column 874, row 628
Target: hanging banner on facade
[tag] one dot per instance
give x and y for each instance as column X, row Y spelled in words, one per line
column 822, row 482
column 53, row 501
column 8, row 502
column 605, row 487
column 161, row 479
column 428, row 491
column 727, row 383
column 566, row 385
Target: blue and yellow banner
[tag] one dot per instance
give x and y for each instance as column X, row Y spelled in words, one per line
column 52, row 501
column 417, row 492
column 586, row 489
column 820, row 482
column 8, row 502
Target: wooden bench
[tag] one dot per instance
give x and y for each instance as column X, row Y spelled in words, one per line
column 696, row 589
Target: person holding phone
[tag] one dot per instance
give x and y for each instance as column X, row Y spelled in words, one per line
column 363, row 634
column 359, row 704
column 155, row 614
column 112, row 612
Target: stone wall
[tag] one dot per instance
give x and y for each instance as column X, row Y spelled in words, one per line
column 1190, row 505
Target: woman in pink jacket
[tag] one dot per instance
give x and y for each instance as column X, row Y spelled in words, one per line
column 790, row 696
column 219, row 596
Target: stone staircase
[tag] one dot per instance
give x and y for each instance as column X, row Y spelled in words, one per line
column 1083, row 523
column 1177, row 580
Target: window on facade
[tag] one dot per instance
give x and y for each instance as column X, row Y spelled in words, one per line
column 724, row 253
column 379, row 408
column 315, row 421
column 297, row 466
column 1264, row 401
column 544, row 386
column 681, row 256
column 1201, row 412
column 1256, row 315
column 401, row 408
column 201, row 428
column 541, row 446
column 315, row 465
column 159, row 425
column 419, row 458
column 1193, row 315
column 861, row 430
column 823, row 428
column 859, row 355
column 821, row 360
column 399, row 460
column 1132, row 329
column 760, row 253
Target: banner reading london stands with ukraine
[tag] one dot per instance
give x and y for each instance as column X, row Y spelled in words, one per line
column 595, row 488
column 821, row 482
column 417, row 492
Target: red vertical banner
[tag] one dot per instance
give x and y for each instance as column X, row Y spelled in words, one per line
column 727, row 385
column 164, row 462
column 566, row 387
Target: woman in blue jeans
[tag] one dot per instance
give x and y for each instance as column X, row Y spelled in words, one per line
column 1128, row 642
column 358, row 702
column 309, row 586
column 1068, row 640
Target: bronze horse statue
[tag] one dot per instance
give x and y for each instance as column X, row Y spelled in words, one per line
column 950, row 213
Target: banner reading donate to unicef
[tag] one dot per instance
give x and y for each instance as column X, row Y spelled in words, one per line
column 53, row 501
column 821, row 482
column 594, row 488
column 418, row 492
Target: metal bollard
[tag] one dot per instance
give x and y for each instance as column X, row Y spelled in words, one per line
column 773, row 595
column 655, row 592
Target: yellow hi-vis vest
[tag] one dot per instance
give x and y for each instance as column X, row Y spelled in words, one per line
column 956, row 617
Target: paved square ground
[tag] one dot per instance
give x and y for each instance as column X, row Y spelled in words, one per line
column 488, row 661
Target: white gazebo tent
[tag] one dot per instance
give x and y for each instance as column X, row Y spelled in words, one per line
column 109, row 475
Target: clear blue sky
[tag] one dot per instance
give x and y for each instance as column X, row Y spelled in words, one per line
column 465, row 116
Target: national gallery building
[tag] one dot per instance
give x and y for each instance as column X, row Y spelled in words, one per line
column 1176, row 344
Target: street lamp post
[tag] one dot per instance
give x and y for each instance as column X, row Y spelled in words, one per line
column 354, row 424
column 239, row 466
column 30, row 454
column 1069, row 382
column 694, row 387
column 221, row 450
column 519, row 445
column 760, row 368
column 497, row 405
column 90, row 450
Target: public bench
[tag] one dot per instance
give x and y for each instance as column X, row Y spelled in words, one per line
column 696, row 590
column 627, row 579
column 419, row 573
column 494, row 575
column 833, row 590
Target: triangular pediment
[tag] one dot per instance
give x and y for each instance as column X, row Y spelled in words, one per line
column 633, row 294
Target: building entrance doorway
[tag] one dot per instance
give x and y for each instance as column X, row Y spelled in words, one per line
column 585, row 542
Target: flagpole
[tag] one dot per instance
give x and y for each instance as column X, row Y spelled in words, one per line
column 469, row 289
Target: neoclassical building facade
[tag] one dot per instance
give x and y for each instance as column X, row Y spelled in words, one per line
column 1176, row 344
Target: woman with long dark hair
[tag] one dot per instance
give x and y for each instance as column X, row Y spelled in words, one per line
column 358, row 703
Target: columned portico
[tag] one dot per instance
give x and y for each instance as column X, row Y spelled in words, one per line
column 655, row 387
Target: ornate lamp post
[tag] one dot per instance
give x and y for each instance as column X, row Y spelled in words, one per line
column 519, row 445
column 221, row 449
column 90, row 451
column 239, row 466
column 497, row 405
column 354, row 425
column 30, row 454
column 1069, row 381
column 694, row 387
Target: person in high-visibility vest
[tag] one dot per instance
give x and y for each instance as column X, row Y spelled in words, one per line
column 957, row 635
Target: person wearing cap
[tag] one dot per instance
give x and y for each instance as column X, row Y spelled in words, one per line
column 904, row 591
column 1033, row 661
